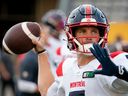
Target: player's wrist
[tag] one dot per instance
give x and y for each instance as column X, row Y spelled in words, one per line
column 39, row 50
column 42, row 51
column 122, row 73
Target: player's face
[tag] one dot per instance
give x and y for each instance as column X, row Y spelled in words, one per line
column 87, row 35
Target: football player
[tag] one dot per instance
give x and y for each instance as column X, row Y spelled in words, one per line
column 56, row 43
column 95, row 71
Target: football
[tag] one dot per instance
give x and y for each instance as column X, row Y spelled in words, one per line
column 18, row 39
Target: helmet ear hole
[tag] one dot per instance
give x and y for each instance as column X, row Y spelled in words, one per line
column 73, row 29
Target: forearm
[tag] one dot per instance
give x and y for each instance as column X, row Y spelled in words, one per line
column 45, row 77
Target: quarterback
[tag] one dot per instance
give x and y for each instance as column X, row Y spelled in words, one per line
column 95, row 71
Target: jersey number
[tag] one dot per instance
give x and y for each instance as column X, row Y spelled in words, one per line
column 77, row 93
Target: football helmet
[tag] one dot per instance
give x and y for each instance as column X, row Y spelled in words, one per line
column 55, row 19
column 86, row 15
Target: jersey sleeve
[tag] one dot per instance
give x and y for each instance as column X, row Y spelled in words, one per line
column 53, row 89
column 59, row 70
column 119, row 58
column 65, row 66
column 56, row 88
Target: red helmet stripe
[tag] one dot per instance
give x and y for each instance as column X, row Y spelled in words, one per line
column 88, row 11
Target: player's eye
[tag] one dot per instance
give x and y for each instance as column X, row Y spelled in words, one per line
column 82, row 31
column 94, row 32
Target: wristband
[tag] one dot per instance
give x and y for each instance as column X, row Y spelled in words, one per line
column 41, row 51
column 123, row 73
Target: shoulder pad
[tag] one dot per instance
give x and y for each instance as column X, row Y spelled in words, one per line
column 116, row 53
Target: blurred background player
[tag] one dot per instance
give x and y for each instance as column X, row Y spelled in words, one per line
column 118, row 45
column 52, row 24
column 28, row 75
column 7, row 75
column 56, row 43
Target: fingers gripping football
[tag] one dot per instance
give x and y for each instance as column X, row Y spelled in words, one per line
column 42, row 41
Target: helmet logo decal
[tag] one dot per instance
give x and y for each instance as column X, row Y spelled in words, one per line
column 88, row 20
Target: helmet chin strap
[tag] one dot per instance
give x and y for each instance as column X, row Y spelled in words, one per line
column 101, row 41
column 86, row 47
